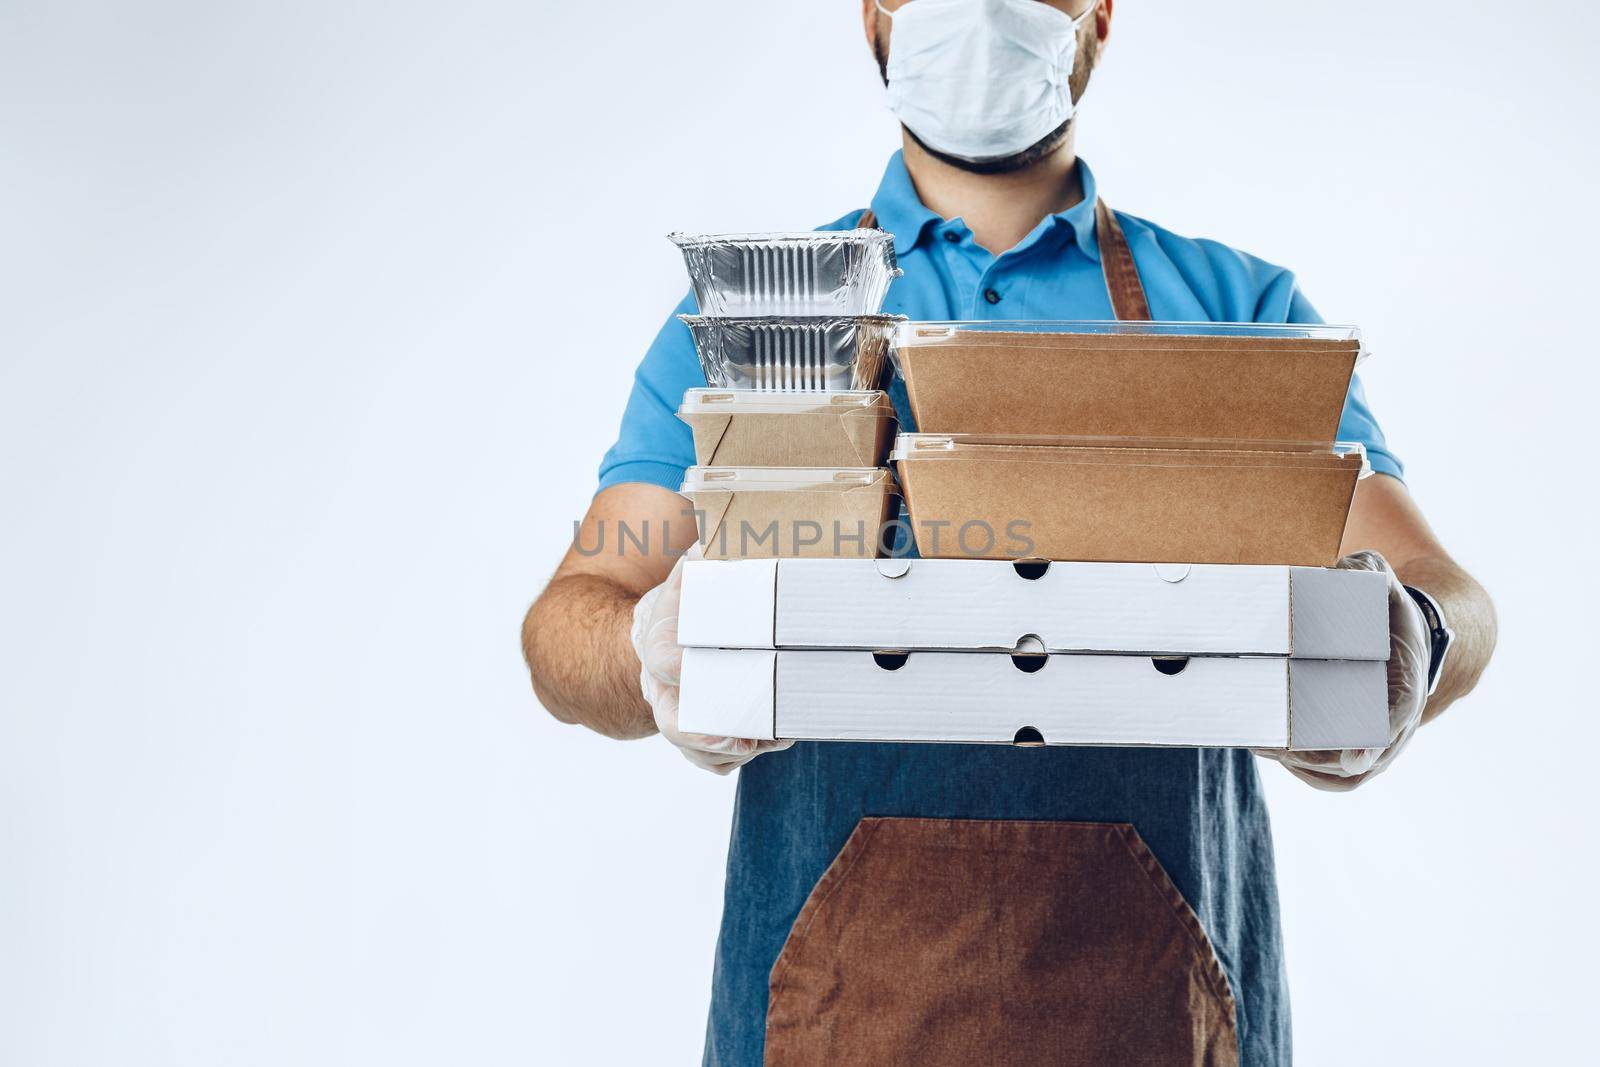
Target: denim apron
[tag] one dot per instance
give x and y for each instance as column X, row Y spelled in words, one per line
column 983, row 904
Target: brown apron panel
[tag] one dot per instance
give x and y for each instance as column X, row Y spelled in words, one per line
column 957, row 941
column 1116, row 262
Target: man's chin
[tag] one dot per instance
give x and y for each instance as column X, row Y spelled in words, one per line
column 1046, row 146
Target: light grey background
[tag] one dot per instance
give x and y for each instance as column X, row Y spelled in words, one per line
column 315, row 319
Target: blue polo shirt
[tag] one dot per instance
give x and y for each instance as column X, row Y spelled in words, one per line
column 1054, row 273
column 1200, row 811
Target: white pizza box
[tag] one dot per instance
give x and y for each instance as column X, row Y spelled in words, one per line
column 1224, row 702
column 972, row 604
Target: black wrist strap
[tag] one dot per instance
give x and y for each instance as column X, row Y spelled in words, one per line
column 1439, row 635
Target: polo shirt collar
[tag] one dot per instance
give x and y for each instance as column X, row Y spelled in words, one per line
column 902, row 213
column 898, row 208
column 1080, row 216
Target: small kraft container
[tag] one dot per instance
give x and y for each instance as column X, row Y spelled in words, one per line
column 1199, row 381
column 794, row 354
column 997, row 497
column 809, row 273
column 745, row 428
column 813, row 513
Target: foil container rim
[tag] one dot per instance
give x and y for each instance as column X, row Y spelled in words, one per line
column 817, row 322
column 859, row 235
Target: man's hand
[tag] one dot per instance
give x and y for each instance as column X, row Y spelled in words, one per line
column 655, row 640
column 602, row 641
column 1408, row 692
column 1384, row 519
column 576, row 636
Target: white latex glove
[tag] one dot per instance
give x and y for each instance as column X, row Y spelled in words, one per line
column 1409, row 651
column 655, row 639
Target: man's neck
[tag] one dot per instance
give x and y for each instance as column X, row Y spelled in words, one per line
column 999, row 209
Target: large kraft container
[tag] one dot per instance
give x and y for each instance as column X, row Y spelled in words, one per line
column 1196, row 381
column 993, row 497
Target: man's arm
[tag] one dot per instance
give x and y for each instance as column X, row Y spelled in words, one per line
column 1383, row 517
column 576, row 637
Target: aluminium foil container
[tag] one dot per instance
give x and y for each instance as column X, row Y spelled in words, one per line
column 797, row 353
column 811, row 273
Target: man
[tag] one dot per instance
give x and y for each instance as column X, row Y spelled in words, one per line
column 965, row 904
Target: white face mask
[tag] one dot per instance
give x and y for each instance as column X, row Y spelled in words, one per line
column 981, row 79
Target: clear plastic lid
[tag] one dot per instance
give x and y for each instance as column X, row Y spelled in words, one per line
column 799, row 402
column 1065, row 449
column 822, row 272
column 956, row 442
column 793, row 353
column 783, row 479
column 925, row 333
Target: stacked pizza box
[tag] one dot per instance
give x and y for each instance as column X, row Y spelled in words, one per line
column 1035, row 652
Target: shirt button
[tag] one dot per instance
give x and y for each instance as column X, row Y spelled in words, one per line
column 991, row 296
column 952, row 236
